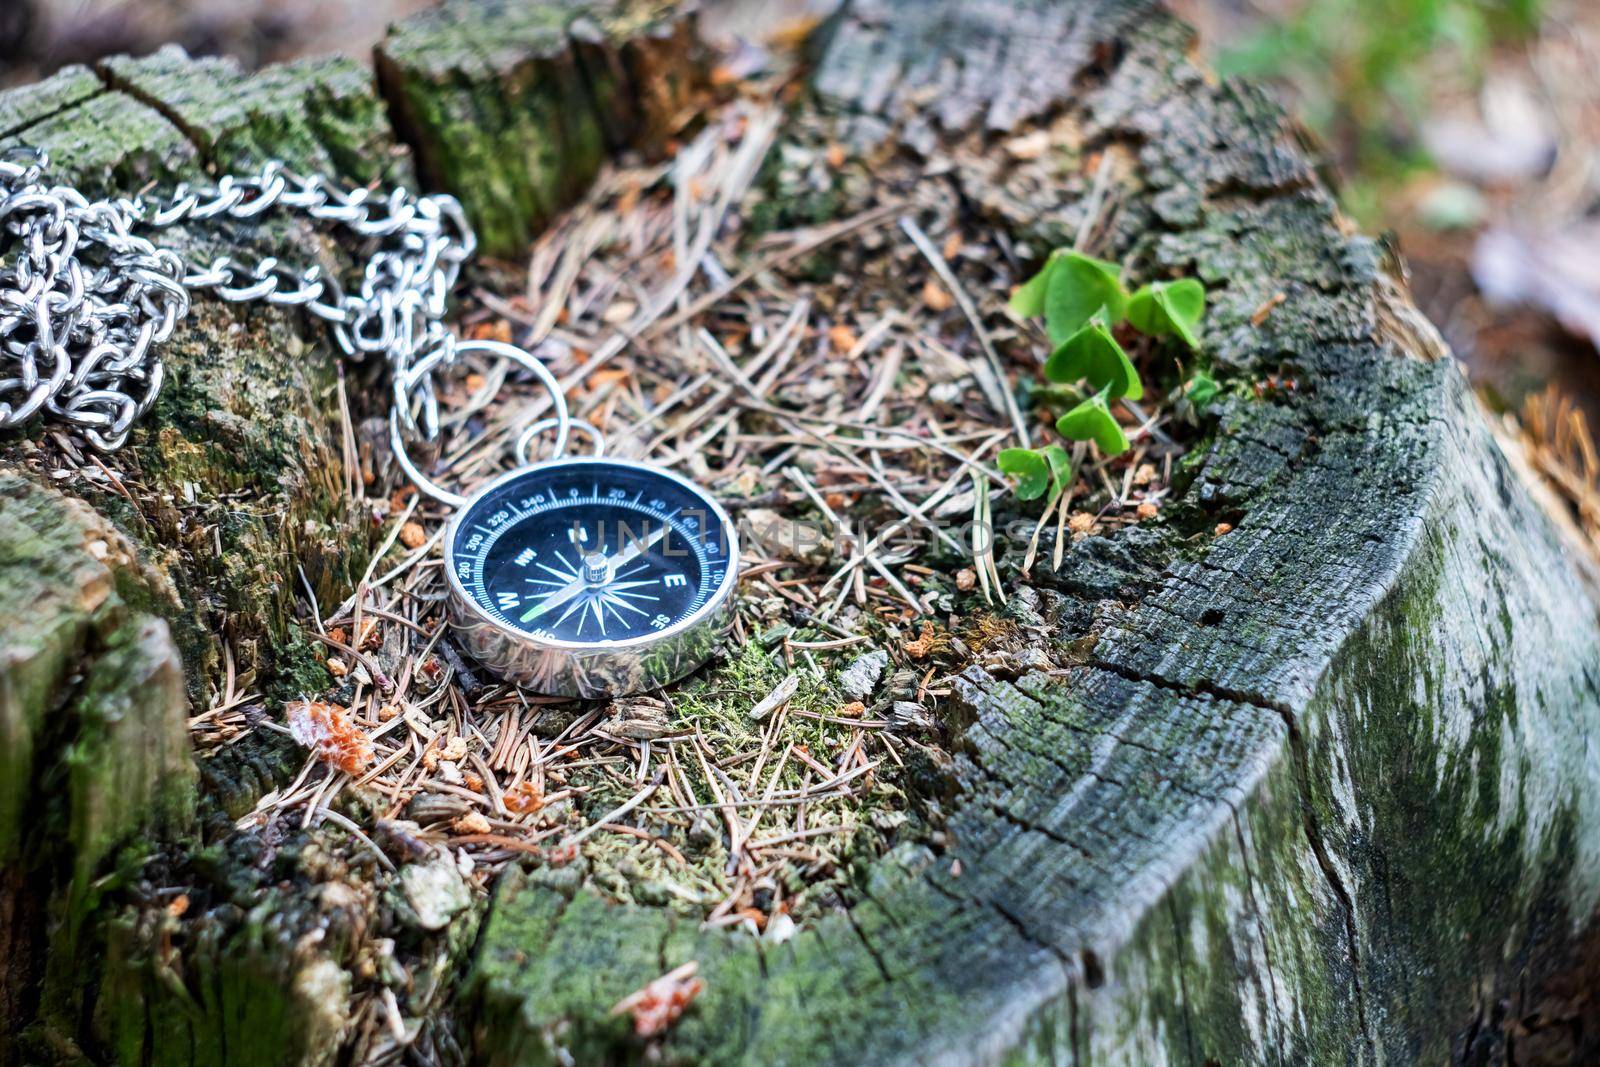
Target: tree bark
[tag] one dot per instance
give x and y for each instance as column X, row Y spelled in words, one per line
column 1316, row 790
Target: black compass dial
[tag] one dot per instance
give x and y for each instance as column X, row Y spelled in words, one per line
column 591, row 551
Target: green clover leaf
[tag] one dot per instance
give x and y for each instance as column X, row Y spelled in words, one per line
column 1028, row 300
column 1080, row 287
column 1034, row 469
column 1060, row 468
column 1162, row 308
column 1093, row 353
column 1029, row 468
column 1092, row 421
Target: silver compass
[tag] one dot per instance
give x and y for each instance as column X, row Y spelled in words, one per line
column 591, row 577
column 579, row 576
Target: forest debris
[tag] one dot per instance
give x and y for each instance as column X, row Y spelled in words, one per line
column 780, row 928
column 780, row 695
column 1260, row 314
column 327, row 731
column 924, row 644
column 432, row 807
column 412, row 535
column 612, row 816
column 1007, row 402
column 524, row 798
column 1558, row 441
column 785, row 538
column 642, row 728
column 909, row 715
column 904, row 683
column 433, row 891
column 473, row 822
column 858, row 680
column 659, row 1004
column 1029, row 146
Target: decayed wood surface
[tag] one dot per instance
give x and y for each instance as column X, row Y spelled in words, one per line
column 1315, row 791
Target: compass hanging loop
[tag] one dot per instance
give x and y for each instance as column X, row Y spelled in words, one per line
column 532, row 433
column 414, row 384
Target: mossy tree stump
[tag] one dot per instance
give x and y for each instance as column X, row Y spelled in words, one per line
column 1319, row 790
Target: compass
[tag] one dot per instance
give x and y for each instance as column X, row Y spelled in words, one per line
column 590, row 577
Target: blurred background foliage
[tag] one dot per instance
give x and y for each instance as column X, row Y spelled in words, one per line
column 1367, row 73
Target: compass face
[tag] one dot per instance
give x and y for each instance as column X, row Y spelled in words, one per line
column 579, row 552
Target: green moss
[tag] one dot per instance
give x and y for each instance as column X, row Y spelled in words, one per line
column 128, row 766
column 239, row 993
column 27, row 105
column 552, row 967
column 494, row 102
column 127, row 781
column 321, row 115
column 716, row 704
column 96, row 760
column 1482, row 826
column 299, row 669
column 66, row 569
column 796, row 188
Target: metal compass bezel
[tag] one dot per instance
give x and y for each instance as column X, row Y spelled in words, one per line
column 558, row 667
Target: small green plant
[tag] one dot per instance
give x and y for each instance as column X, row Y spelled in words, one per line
column 1201, row 390
column 1163, row 308
column 1037, row 469
column 1083, row 301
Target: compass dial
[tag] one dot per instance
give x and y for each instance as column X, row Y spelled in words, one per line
column 592, row 552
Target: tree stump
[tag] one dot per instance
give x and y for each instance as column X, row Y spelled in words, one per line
column 1313, row 789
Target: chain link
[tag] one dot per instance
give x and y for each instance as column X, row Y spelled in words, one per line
column 86, row 302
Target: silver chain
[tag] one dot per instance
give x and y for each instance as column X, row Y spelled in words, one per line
column 86, row 302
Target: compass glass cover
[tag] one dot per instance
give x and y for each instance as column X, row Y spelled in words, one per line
column 590, row 552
